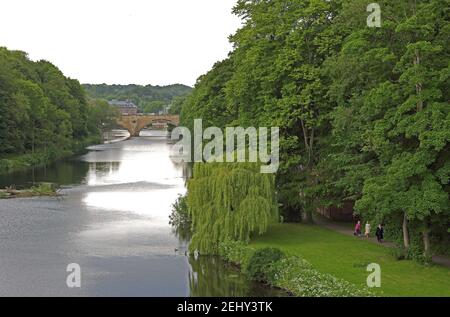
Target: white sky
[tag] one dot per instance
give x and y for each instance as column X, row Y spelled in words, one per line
column 156, row 42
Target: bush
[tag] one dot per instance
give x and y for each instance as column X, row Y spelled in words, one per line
column 235, row 252
column 179, row 219
column 260, row 262
column 416, row 253
column 399, row 253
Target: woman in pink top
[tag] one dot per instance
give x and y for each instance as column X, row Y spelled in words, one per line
column 358, row 229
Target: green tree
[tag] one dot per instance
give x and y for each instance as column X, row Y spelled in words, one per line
column 229, row 202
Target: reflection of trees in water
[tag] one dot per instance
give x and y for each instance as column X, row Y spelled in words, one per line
column 211, row 277
column 62, row 173
column 109, row 167
column 99, row 170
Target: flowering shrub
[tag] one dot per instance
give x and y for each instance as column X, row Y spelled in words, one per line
column 293, row 274
column 300, row 278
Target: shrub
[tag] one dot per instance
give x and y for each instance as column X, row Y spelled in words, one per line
column 235, row 252
column 260, row 261
column 399, row 253
column 416, row 253
column 179, row 219
column 179, row 215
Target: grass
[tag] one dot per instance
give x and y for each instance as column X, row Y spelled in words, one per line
column 347, row 258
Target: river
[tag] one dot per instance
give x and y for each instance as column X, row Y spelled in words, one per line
column 113, row 221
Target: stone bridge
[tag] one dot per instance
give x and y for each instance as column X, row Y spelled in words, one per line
column 135, row 123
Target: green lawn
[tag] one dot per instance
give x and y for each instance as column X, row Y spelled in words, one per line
column 347, row 257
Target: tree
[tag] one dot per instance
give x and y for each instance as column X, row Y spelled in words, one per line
column 363, row 112
column 101, row 116
column 413, row 136
column 43, row 112
column 231, row 201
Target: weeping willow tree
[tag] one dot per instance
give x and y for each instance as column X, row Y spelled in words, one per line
column 229, row 201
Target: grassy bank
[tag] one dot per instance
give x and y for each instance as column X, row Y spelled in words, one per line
column 19, row 162
column 290, row 273
column 347, row 258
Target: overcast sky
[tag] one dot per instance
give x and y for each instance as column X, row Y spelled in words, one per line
column 156, row 42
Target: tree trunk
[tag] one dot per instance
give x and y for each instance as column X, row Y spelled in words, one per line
column 405, row 232
column 426, row 239
column 426, row 242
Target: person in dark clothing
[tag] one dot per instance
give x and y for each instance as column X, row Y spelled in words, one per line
column 380, row 233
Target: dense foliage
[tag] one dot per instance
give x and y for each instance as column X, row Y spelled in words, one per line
column 149, row 99
column 43, row 114
column 260, row 261
column 179, row 219
column 229, row 201
column 364, row 112
column 290, row 273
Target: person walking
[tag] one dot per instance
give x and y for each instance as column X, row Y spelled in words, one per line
column 367, row 231
column 358, row 229
column 380, row 233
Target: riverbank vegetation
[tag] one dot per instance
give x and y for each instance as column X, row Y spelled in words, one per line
column 43, row 189
column 44, row 116
column 288, row 272
column 363, row 112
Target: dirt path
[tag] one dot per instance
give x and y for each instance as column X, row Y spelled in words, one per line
column 347, row 229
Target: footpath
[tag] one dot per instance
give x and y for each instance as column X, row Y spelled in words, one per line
column 347, row 229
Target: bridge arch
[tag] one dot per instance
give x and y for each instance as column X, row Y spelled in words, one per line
column 136, row 123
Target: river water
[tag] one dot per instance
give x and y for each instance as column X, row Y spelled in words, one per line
column 113, row 221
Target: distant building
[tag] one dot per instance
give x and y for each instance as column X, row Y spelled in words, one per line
column 125, row 107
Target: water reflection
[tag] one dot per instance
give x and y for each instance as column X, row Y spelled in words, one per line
column 211, row 277
column 67, row 172
column 101, row 171
column 141, row 180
